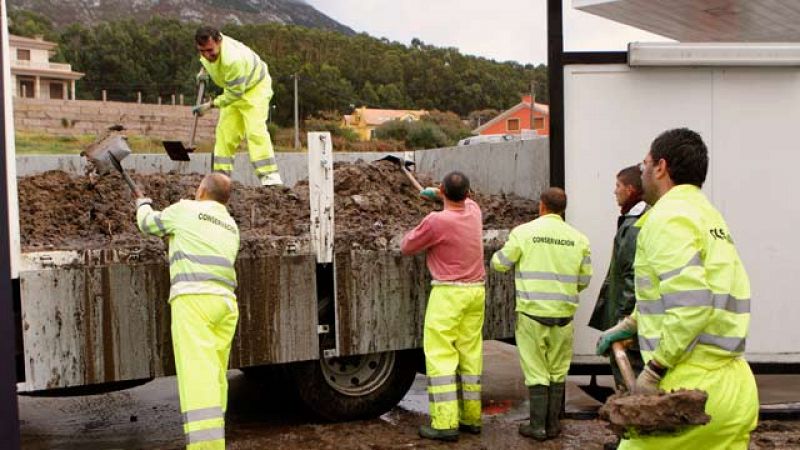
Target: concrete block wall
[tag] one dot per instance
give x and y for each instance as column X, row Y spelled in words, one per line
column 76, row 117
column 520, row 167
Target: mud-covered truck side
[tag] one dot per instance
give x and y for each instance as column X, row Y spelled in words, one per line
column 346, row 335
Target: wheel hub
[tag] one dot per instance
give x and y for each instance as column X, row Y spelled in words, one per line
column 358, row 375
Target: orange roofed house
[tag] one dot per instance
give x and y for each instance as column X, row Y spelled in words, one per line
column 364, row 120
column 518, row 119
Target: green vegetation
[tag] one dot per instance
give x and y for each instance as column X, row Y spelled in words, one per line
column 46, row 144
column 336, row 73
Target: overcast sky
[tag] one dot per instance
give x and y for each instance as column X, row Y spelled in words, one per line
column 503, row 30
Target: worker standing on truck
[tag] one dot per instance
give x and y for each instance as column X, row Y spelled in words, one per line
column 553, row 264
column 453, row 334
column 203, row 244
column 617, row 295
column 692, row 300
column 244, row 103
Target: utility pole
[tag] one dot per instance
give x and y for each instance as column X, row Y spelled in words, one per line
column 296, row 116
column 533, row 104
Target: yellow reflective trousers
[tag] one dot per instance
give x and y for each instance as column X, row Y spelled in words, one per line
column 246, row 118
column 732, row 404
column 545, row 352
column 202, row 330
column 453, row 344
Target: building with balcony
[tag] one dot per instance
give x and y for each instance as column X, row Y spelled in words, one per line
column 34, row 75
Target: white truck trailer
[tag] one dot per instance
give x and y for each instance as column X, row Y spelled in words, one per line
column 742, row 97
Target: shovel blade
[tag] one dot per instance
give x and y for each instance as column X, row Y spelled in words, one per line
column 400, row 162
column 176, row 150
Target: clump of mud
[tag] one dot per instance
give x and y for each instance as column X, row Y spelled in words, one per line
column 374, row 204
column 655, row 413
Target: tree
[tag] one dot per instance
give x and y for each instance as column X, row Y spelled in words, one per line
column 30, row 24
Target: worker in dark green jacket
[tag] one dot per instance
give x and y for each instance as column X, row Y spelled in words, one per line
column 617, row 295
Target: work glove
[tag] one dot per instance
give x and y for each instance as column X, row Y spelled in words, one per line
column 202, row 108
column 625, row 329
column 143, row 201
column 431, row 193
column 647, row 382
column 202, row 76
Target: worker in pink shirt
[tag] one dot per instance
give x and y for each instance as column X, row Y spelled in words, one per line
column 453, row 335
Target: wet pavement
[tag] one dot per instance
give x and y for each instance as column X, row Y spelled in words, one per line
column 262, row 416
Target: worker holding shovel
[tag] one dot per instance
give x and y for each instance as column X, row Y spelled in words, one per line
column 203, row 245
column 244, row 103
column 692, row 300
column 453, row 334
column 617, row 297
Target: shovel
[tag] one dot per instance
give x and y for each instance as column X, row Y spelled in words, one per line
column 403, row 165
column 618, row 349
column 176, row 149
column 107, row 153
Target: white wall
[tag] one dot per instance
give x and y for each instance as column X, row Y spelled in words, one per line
column 747, row 117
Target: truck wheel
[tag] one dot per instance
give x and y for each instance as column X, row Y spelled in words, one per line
column 355, row 387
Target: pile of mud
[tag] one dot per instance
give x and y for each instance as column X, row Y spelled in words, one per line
column 655, row 413
column 374, row 205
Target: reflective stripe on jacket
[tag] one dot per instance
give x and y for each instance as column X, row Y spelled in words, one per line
column 237, row 70
column 552, row 262
column 692, row 291
column 203, row 245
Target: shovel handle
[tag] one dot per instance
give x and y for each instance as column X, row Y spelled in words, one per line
column 411, row 178
column 200, row 92
column 124, row 174
column 618, row 348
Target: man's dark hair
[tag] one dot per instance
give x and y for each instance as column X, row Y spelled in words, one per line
column 685, row 153
column 555, row 200
column 631, row 176
column 455, row 186
column 217, row 186
column 203, row 34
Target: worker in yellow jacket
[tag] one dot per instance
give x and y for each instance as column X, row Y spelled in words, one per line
column 692, row 309
column 244, row 103
column 553, row 264
column 203, row 244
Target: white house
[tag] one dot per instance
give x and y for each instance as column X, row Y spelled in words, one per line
column 34, row 75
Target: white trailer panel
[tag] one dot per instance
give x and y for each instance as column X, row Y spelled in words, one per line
column 747, row 117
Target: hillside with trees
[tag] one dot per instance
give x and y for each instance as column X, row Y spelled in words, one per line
column 336, row 72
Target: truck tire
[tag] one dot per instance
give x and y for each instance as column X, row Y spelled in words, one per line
column 355, row 387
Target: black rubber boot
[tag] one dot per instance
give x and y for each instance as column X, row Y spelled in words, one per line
column 438, row 435
column 536, row 428
column 554, row 407
column 472, row 429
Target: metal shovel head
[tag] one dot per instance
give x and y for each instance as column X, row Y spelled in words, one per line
column 177, row 151
column 112, row 146
column 400, row 162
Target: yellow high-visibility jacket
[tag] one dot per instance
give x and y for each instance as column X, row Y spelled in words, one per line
column 237, row 70
column 203, row 245
column 553, row 264
column 692, row 291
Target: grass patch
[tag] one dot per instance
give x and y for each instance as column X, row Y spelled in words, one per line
column 47, row 144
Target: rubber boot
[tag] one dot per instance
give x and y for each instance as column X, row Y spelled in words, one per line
column 471, row 429
column 428, row 432
column 554, row 406
column 536, row 428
